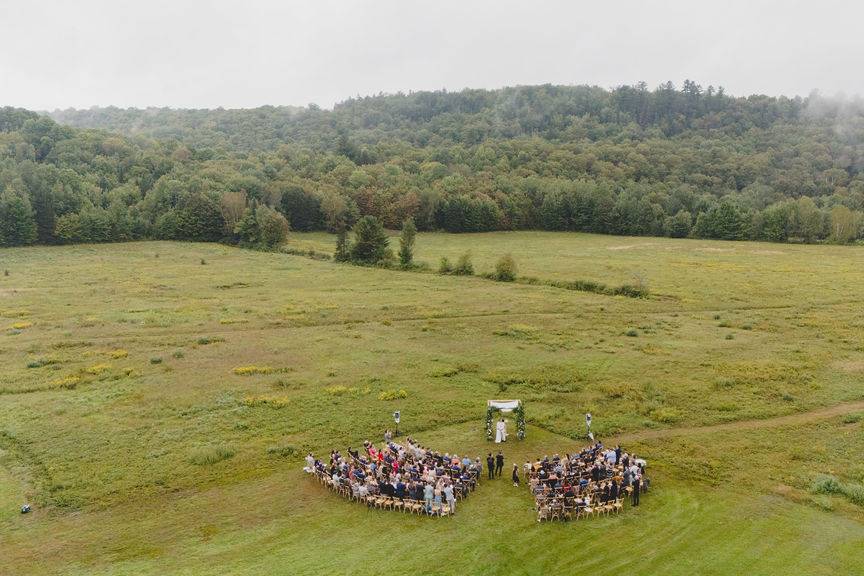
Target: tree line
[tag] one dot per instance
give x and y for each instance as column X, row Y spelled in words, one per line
column 687, row 162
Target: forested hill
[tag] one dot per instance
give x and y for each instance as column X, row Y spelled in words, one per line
column 688, row 162
column 469, row 117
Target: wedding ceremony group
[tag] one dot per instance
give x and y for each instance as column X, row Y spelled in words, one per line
column 593, row 482
column 408, row 477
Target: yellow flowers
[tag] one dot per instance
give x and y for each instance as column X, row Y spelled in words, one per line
column 21, row 325
column 253, row 370
column 68, row 383
column 393, row 394
column 97, row 369
column 119, row 353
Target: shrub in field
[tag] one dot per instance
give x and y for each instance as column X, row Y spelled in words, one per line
column 464, row 267
column 632, row 332
column 444, row 266
column 505, row 269
column 156, row 360
column 519, row 331
column 204, row 340
column 406, row 243
column 252, row 370
column 630, row 290
column 393, row 394
column 853, row 418
column 855, row 493
column 825, row 484
column 211, row 455
column 119, row 353
column 21, row 325
column 40, row 362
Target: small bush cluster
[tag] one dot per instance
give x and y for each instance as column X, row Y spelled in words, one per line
column 308, row 253
column 463, row 266
column 119, row 353
column 629, row 290
column 205, row 340
column 827, row 484
column 853, row 418
column 40, row 362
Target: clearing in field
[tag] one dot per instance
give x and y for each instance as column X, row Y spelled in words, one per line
column 157, row 401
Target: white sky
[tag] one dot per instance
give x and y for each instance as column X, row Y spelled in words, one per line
column 195, row 53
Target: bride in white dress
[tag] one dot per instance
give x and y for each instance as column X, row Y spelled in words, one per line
column 501, row 432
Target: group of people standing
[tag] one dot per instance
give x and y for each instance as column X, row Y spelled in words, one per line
column 495, row 465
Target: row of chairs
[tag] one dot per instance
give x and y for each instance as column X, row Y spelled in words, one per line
column 548, row 512
column 407, row 505
column 387, row 502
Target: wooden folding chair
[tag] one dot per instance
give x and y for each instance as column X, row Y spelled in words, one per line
column 543, row 513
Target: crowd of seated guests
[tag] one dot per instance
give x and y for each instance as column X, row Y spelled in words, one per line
column 408, row 477
column 594, row 481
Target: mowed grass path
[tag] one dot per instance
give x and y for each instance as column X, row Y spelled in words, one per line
column 123, row 420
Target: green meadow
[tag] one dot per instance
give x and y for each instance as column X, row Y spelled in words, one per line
column 157, row 399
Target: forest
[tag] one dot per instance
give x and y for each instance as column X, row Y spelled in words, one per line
column 668, row 161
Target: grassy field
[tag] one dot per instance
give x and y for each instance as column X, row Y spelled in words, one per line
column 156, row 400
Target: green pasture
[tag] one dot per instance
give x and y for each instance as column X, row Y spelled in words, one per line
column 156, row 400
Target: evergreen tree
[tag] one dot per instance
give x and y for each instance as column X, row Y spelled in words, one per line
column 370, row 242
column 406, row 243
column 247, row 229
column 343, row 251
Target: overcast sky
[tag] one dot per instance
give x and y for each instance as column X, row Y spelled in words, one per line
column 184, row 53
